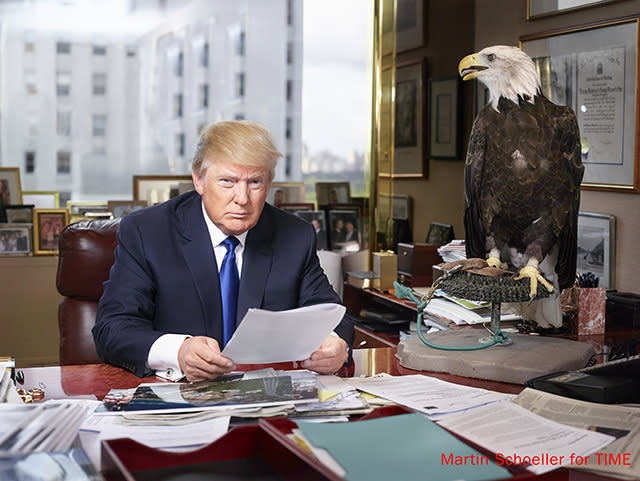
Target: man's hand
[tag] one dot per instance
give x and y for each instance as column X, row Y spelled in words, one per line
column 329, row 357
column 199, row 358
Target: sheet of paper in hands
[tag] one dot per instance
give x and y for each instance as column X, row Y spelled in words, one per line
column 278, row 336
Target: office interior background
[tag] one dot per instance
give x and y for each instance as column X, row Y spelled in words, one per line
column 92, row 93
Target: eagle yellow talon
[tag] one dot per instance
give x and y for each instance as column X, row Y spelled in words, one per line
column 494, row 262
column 534, row 277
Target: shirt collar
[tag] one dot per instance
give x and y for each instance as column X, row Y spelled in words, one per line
column 217, row 236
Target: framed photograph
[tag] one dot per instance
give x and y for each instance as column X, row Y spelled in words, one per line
column 409, row 158
column 42, row 199
column 120, row 208
column 87, row 210
column 445, row 117
column 345, row 229
column 592, row 68
column 47, row 226
column 15, row 239
column 544, row 8
column 318, row 219
column 154, row 189
column 286, row 193
column 18, row 214
column 10, row 187
column 439, row 234
column 395, row 206
column 409, row 25
column 597, row 247
column 333, row 193
column 294, row 207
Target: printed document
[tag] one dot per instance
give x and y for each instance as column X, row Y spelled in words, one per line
column 264, row 337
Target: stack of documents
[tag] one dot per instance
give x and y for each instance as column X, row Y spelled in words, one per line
column 47, row 427
column 453, row 251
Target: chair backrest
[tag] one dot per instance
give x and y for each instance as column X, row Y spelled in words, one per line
column 85, row 259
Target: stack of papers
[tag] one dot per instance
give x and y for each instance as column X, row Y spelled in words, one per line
column 453, row 251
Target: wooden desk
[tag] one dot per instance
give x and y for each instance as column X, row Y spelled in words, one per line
column 97, row 379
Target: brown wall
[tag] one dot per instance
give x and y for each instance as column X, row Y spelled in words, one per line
column 29, row 310
column 450, row 37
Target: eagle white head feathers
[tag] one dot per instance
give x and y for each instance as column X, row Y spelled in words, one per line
column 506, row 71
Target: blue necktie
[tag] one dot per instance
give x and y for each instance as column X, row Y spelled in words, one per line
column 229, row 283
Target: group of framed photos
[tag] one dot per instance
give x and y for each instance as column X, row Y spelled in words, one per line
column 338, row 218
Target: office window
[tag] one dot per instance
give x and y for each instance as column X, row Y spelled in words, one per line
column 240, row 84
column 287, row 133
column 99, row 125
column 179, row 66
column 203, row 101
column 30, row 82
column 63, row 123
column 289, row 12
column 289, row 90
column 63, row 47
column 204, row 55
column 63, row 83
column 99, row 83
column 177, row 105
column 180, row 145
column 29, row 162
column 289, row 53
column 99, row 50
column 240, row 45
column 63, row 162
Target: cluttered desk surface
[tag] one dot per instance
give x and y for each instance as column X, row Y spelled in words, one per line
column 59, row 382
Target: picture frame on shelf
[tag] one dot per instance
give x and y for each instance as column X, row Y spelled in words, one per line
column 544, row 8
column 394, row 206
column 42, row 199
column 120, row 208
column 333, row 193
column 155, row 189
column 18, row 214
column 345, row 229
column 318, row 218
column 410, row 26
column 286, row 193
column 47, row 227
column 596, row 252
column 409, row 158
column 439, row 234
column 294, row 207
column 10, row 186
column 15, row 239
column 592, row 68
column 445, row 137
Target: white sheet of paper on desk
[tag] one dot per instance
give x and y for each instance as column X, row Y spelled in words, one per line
column 279, row 336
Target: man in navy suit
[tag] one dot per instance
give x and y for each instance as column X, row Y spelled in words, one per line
column 161, row 309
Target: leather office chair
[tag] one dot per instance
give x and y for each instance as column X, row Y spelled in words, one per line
column 85, row 258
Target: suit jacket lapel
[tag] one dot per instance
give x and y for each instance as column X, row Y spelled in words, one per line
column 256, row 264
column 198, row 253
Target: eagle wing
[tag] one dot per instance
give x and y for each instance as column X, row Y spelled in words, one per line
column 475, row 236
column 569, row 146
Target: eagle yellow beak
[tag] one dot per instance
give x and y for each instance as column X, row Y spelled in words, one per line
column 469, row 67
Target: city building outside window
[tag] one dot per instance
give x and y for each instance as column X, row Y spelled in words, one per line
column 63, row 83
column 63, row 123
column 240, row 84
column 99, row 125
column 99, row 50
column 63, row 47
column 30, row 161
column 204, row 55
column 63, row 164
column 177, row 105
column 99, row 83
column 204, row 96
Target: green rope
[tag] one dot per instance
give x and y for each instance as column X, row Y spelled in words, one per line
column 402, row 291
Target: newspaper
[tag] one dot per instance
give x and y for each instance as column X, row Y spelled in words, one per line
column 621, row 458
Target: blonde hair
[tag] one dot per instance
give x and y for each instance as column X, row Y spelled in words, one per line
column 239, row 141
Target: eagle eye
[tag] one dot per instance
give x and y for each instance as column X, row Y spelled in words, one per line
column 491, row 57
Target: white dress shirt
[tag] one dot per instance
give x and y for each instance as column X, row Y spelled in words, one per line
column 163, row 355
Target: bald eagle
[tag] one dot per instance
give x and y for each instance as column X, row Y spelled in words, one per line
column 522, row 178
